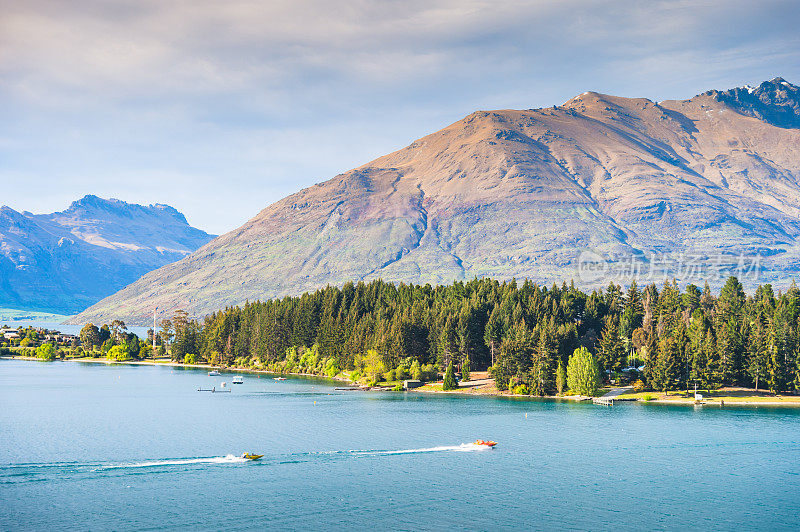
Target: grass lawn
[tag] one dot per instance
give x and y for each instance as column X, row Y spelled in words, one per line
column 728, row 395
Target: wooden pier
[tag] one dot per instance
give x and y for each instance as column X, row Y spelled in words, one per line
column 605, row 401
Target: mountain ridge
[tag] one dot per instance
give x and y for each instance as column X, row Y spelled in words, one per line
column 517, row 193
column 67, row 260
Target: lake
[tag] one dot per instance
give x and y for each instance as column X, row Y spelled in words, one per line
column 90, row 446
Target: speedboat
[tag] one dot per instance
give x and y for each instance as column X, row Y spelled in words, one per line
column 487, row 443
column 214, row 373
column 238, row 380
column 250, row 456
column 279, row 379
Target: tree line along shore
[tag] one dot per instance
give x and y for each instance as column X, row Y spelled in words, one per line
column 525, row 335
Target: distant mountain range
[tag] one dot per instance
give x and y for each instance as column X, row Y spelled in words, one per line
column 524, row 194
column 65, row 261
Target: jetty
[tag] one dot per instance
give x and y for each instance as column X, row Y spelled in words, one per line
column 213, row 390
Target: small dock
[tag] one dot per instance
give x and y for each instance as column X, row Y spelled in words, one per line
column 213, row 390
column 605, row 401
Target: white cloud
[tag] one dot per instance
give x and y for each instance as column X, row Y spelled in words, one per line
column 271, row 96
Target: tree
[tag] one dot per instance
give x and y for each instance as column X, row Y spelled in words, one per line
column 668, row 367
column 583, row 373
column 561, row 377
column 166, row 333
column 541, row 374
column 612, row 349
column 117, row 329
column 90, row 336
column 118, row 353
column 450, row 382
column 757, row 355
column 105, row 334
column 494, row 331
column 465, row 369
column 46, row 352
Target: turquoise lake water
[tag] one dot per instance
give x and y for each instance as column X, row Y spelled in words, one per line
column 89, row 446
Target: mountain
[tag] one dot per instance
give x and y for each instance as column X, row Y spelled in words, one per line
column 65, row 261
column 689, row 189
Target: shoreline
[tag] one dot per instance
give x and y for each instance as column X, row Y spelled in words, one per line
column 471, row 390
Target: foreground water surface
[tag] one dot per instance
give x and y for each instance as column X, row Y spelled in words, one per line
column 89, row 446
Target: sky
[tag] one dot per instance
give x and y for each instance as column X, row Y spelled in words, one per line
column 221, row 108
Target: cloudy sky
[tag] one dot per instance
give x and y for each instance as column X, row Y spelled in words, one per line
column 221, row 108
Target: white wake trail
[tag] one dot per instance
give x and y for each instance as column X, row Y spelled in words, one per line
column 227, row 459
column 464, row 447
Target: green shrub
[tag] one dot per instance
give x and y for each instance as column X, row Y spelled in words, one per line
column 190, row 358
column 398, row 388
column 46, row 352
column 648, row 397
column 416, row 371
column 402, row 373
column 389, row 376
column 119, row 353
column 521, row 389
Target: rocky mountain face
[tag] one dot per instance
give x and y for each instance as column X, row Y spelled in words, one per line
column 65, row 261
column 688, row 189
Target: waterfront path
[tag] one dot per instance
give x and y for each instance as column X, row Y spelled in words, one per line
column 613, row 392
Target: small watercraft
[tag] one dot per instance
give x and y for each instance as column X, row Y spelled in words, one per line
column 279, row 379
column 487, row 443
column 214, row 373
column 238, row 380
column 250, row 456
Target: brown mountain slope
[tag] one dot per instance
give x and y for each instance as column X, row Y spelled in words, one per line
column 518, row 194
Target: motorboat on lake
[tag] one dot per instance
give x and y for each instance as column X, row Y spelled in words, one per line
column 214, row 373
column 250, row 456
column 238, row 380
column 279, row 379
column 487, row 443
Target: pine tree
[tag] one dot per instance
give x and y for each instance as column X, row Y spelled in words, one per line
column 494, row 331
column 450, row 382
column 465, row 369
column 757, row 355
column 542, row 366
column 776, row 358
column 561, row 377
column 729, row 348
column 711, row 378
column 668, row 368
column 612, row 349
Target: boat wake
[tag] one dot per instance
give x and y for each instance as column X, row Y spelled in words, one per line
column 464, row 447
column 30, row 472
column 227, row 459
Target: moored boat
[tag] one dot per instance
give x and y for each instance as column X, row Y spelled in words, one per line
column 214, row 373
column 238, row 380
